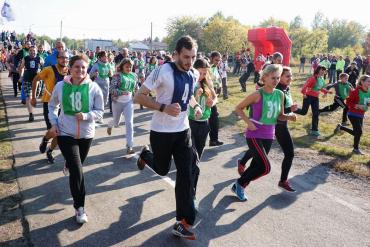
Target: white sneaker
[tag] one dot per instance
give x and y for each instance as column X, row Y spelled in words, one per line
column 81, row 216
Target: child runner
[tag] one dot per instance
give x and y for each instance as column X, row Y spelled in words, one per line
column 206, row 96
column 81, row 104
column 31, row 65
column 342, row 89
column 122, row 87
column 358, row 103
column 282, row 132
column 112, row 65
column 311, row 91
column 266, row 107
column 153, row 63
column 101, row 71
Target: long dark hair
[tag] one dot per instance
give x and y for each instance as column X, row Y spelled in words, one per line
column 201, row 63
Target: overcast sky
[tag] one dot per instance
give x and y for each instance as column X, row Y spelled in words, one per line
column 129, row 20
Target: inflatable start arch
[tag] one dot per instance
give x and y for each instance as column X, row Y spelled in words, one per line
column 269, row 40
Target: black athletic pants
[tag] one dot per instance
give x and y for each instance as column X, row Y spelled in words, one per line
column 286, row 143
column 15, row 79
column 260, row 165
column 74, row 152
column 178, row 145
column 199, row 133
column 356, row 130
column 314, row 103
column 338, row 102
column 213, row 124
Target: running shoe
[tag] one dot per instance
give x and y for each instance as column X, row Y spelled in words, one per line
column 31, row 118
column 239, row 191
column 140, row 162
column 241, row 167
column 43, row 145
column 286, row 186
column 196, row 203
column 181, row 229
column 49, row 156
column 315, row 133
column 81, row 216
column 357, row 151
column 130, row 150
column 337, row 129
column 215, row 143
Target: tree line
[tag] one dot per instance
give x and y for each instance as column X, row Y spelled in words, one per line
column 228, row 35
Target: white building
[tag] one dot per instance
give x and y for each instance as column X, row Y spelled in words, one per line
column 106, row 45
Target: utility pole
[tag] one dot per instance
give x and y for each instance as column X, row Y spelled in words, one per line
column 151, row 36
column 61, row 28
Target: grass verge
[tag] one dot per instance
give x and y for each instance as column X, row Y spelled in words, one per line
column 11, row 218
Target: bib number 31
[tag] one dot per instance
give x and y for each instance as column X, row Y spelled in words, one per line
column 272, row 109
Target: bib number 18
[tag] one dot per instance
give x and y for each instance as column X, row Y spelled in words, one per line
column 76, row 101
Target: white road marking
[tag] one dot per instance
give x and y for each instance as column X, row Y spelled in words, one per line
column 165, row 178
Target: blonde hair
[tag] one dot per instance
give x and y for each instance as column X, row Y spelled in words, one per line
column 271, row 68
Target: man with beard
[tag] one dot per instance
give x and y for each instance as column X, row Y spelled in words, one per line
column 170, row 135
column 50, row 75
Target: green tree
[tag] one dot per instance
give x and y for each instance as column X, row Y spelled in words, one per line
column 344, row 34
column 317, row 42
column 271, row 21
column 318, row 21
column 296, row 23
column 185, row 25
column 299, row 37
column 225, row 35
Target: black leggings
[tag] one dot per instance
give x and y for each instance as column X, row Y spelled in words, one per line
column 356, row 131
column 314, row 103
column 214, row 124
column 286, row 143
column 178, row 145
column 74, row 152
column 338, row 102
column 199, row 132
column 260, row 165
column 285, row 140
column 15, row 79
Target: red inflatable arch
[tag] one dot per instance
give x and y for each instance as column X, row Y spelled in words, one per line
column 269, row 40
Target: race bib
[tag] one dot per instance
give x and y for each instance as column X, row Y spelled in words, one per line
column 75, row 98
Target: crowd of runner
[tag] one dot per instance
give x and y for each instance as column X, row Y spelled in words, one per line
column 77, row 88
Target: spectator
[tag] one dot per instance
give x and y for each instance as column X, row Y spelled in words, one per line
column 302, row 61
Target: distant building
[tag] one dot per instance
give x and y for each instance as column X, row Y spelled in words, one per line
column 106, row 45
column 146, row 46
column 158, row 46
column 138, row 46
